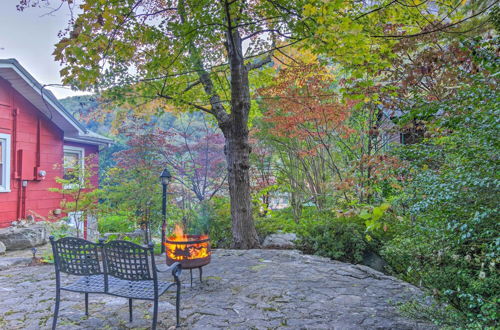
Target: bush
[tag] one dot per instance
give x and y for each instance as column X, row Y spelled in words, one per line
column 452, row 246
column 336, row 238
column 276, row 221
column 321, row 233
column 115, row 224
column 220, row 222
column 457, row 274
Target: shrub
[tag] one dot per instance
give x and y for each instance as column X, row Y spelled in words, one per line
column 276, row 221
column 321, row 233
column 115, row 224
column 452, row 246
column 336, row 238
column 220, row 222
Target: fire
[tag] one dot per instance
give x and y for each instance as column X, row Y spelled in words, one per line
column 184, row 249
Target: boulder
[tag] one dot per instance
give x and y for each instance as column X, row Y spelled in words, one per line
column 6, row 263
column 23, row 238
column 2, row 248
column 282, row 241
column 373, row 260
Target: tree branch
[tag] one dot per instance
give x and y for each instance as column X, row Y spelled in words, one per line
column 191, row 85
column 402, row 36
column 375, row 10
column 258, row 63
column 199, row 107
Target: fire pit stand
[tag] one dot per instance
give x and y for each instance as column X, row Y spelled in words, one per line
column 200, row 270
column 194, row 252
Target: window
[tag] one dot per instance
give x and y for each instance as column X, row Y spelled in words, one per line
column 4, row 162
column 385, row 142
column 73, row 163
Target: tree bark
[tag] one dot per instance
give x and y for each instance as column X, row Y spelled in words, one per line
column 237, row 148
column 237, row 151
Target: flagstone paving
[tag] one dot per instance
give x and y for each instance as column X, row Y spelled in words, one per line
column 254, row 289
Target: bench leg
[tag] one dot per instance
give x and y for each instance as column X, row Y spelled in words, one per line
column 56, row 309
column 155, row 314
column 86, row 304
column 130, row 310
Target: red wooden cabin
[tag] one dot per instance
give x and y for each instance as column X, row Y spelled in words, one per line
column 36, row 133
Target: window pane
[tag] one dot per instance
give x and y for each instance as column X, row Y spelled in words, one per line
column 72, row 162
column 69, row 174
column 71, row 159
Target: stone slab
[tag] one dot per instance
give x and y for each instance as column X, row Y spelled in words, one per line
column 6, row 263
column 252, row 289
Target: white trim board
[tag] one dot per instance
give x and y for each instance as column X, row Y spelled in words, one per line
column 5, row 187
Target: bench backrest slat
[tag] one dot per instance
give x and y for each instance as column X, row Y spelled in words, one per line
column 76, row 256
column 127, row 261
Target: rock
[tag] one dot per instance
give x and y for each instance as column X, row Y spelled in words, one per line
column 291, row 291
column 30, row 219
column 284, row 241
column 2, row 248
column 23, row 238
column 137, row 233
column 6, row 263
column 373, row 260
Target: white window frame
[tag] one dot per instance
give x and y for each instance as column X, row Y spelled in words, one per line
column 81, row 152
column 5, row 141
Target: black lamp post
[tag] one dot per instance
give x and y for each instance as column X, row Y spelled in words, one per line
column 165, row 178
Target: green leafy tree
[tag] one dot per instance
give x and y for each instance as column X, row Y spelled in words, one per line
column 451, row 245
column 198, row 54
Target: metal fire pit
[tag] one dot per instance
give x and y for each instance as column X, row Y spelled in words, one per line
column 183, row 251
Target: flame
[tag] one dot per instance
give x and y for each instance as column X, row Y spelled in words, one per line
column 183, row 251
column 179, row 234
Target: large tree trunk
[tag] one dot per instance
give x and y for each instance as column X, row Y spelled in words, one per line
column 237, row 149
column 237, row 152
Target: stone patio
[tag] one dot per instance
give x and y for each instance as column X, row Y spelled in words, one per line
column 254, row 289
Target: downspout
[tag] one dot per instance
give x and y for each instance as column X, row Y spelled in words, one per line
column 16, row 163
column 24, row 185
column 15, row 113
column 38, row 143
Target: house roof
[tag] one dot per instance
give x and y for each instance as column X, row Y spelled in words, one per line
column 43, row 99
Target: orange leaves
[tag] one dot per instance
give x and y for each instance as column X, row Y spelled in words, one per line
column 302, row 103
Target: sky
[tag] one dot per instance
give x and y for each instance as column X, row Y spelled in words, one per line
column 29, row 37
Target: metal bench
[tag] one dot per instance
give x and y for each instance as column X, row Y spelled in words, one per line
column 128, row 270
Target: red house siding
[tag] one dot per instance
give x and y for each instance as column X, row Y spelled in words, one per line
column 36, row 144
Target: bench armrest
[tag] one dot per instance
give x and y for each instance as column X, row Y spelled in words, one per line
column 175, row 268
